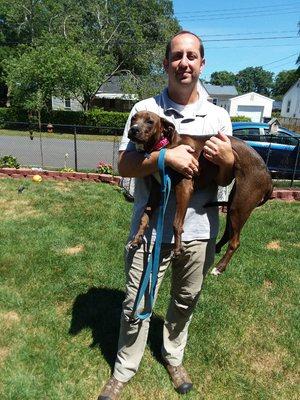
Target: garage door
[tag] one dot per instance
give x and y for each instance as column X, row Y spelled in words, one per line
column 253, row 112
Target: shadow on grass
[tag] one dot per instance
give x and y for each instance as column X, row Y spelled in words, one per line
column 99, row 310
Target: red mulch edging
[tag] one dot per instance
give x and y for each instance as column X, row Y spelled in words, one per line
column 282, row 194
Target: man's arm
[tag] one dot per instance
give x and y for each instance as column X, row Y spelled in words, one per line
column 219, row 151
column 135, row 164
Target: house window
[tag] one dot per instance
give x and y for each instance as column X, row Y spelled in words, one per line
column 68, row 103
column 288, row 106
column 215, row 101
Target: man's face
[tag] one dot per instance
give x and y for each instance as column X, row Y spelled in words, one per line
column 185, row 63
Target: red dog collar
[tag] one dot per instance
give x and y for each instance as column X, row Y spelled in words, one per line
column 163, row 142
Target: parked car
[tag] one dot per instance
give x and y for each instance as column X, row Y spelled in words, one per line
column 279, row 149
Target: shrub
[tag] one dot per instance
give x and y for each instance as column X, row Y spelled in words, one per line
column 105, row 168
column 9, row 162
column 112, row 122
column 240, row 118
column 64, row 117
column 98, row 117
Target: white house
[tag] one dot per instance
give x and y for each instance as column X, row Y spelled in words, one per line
column 291, row 102
column 109, row 97
column 252, row 105
column 219, row 95
column 66, row 104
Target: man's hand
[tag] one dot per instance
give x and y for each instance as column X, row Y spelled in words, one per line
column 181, row 159
column 219, row 151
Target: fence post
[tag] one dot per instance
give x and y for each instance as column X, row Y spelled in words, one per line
column 296, row 163
column 41, row 149
column 75, row 148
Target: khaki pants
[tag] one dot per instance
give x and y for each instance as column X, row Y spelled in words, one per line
column 188, row 271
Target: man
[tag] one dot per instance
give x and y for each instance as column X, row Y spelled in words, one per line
column 183, row 104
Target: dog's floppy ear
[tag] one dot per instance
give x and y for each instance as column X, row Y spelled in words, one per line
column 168, row 130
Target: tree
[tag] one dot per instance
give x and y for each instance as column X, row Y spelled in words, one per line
column 86, row 41
column 283, row 81
column 222, row 78
column 144, row 86
column 254, row 79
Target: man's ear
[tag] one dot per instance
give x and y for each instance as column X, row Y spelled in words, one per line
column 168, row 130
column 166, row 64
column 202, row 65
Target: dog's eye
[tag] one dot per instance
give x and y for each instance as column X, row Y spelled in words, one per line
column 150, row 122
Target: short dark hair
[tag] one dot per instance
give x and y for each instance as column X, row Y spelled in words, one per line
column 168, row 47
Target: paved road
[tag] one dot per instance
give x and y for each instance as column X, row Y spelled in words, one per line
column 28, row 152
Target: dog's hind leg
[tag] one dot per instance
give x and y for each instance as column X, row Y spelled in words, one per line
column 236, row 220
column 152, row 205
column 183, row 192
column 228, row 228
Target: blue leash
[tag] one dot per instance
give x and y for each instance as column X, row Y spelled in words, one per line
column 151, row 273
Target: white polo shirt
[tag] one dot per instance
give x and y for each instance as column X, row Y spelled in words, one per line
column 197, row 119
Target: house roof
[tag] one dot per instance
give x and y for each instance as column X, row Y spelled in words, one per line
column 112, row 89
column 217, row 90
column 253, row 94
column 113, row 85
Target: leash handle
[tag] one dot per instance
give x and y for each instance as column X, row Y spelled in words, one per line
column 149, row 279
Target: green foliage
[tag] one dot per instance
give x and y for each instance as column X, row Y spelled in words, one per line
column 283, row 81
column 3, row 115
column 97, row 117
column 64, row 117
column 67, row 169
column 71, row 47
column 144, row 86
column 240, row 118
column 9, row 162
column 254, row 79
column 223, row 78
column 251, row 79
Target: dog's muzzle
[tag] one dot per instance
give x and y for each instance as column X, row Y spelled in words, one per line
column 133, row 132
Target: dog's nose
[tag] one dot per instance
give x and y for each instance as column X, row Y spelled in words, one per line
column 133, row 131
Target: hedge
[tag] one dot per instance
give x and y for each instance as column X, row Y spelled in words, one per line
column 95, row 117
column 240, row 118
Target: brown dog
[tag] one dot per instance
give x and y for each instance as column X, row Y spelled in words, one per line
column 252, row 187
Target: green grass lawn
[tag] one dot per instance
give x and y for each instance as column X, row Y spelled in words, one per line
column 103, row 138
column 61, row 274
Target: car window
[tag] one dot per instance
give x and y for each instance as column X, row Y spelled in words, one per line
column 248, row 134
column 280, row 137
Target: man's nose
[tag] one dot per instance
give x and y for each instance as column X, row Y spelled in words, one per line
column 184, row 60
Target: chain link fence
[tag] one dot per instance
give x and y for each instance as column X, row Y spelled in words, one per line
column 82, row 148
column 60, row 146
column 290, row 123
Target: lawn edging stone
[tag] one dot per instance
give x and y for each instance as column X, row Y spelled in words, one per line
column 58, row 175
column 281, row 194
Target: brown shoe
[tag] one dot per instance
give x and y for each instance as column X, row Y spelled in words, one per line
column 112, row 389
column 180, row 379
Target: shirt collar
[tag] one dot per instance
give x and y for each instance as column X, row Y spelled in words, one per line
column 200, row 110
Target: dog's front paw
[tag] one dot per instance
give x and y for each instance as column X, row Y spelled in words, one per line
column 215, row 272
column 134, row 244
column 177, row 252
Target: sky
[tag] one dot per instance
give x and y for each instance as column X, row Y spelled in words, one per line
column 239, row 34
